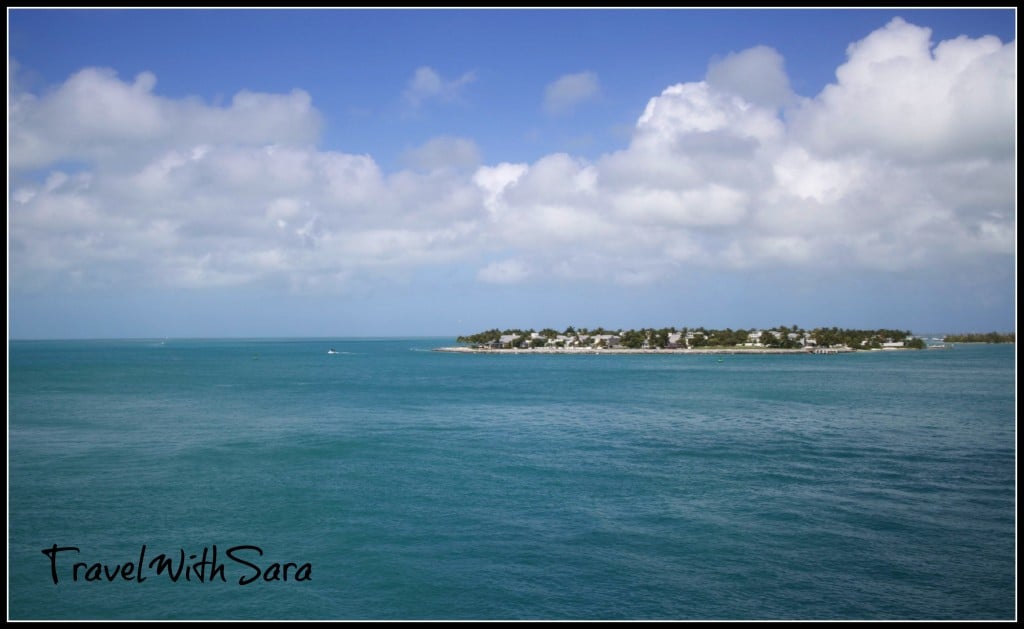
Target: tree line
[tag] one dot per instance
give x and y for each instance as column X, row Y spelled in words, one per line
column 780, row 337
column 990, row 337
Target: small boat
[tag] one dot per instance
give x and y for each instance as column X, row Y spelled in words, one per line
column 333, row 351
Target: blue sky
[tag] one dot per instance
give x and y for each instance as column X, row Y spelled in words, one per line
column 437, row 172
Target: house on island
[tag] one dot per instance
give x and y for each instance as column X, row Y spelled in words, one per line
column 505, row 341
column 754, row 339
column 605, row 340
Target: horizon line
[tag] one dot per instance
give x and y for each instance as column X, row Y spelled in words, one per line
column 383, row 337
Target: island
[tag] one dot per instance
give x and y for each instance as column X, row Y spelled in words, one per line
column 700, row 340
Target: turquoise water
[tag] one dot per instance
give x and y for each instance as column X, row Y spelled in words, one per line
column 425, row 485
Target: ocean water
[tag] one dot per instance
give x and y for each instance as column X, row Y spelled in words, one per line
column 401, row 483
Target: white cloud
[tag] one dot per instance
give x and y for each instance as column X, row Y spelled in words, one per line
column 426, row 85
column 906, row 162
column 564, row 94
column 691, row 109
column 899, row 97
column 713, row 205
column 493, row 180
column 96, row 116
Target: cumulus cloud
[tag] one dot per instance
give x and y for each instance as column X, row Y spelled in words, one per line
column 898, row 96
column 714, row 176
column 905, row 162
column 564, row 94
column 427, row 85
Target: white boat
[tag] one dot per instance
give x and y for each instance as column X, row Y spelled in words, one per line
column 333, row 351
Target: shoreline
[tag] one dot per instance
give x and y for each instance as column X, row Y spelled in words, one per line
column 592, row 350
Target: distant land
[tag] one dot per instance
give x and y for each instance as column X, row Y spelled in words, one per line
column 782, row 339
column 990, row 337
